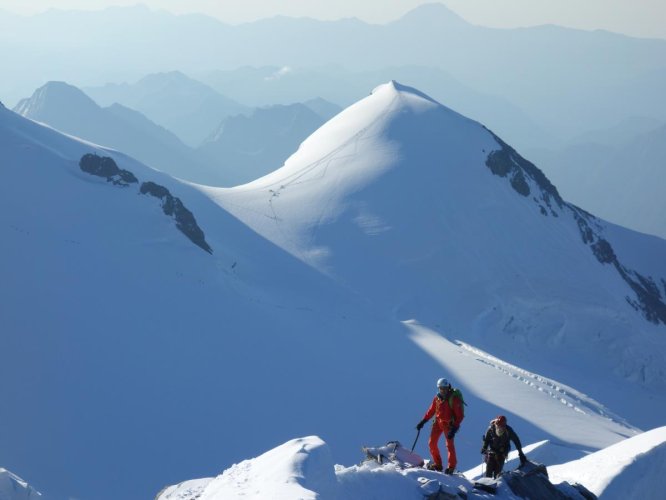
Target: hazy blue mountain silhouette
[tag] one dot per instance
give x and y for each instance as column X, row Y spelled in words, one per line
column 70, row 110
column 323, row 108
column 187, row 107
column 266, row 85
column 534, row 68
column 619, row 178
column 245, row 148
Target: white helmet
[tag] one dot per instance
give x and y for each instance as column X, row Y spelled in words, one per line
column 442, row 382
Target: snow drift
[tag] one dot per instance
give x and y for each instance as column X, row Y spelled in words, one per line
column 302, row 468
column 631, row 469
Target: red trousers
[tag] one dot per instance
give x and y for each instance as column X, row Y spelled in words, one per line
column 450, row 446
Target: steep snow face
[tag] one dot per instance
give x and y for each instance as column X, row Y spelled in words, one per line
column 431, row 216
column 631, row 469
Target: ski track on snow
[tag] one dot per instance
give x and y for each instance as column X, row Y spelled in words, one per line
column 565, row 395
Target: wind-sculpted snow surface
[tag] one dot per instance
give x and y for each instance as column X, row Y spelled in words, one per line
column 630, row 469
column 302, row 468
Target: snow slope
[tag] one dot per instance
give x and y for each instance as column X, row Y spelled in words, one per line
column 631, row 469
column 302, row 468
column 117, row 329
column 395, row 199
column 13, row 487
column 337, row 290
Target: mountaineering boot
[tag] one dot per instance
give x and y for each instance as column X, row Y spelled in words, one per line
column 449, row 470
column 434, row 466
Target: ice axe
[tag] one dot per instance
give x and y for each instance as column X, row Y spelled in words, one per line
column 418, row 431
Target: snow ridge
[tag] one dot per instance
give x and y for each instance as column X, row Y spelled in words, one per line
column 566, row 395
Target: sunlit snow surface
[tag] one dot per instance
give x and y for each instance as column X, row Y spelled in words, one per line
column 382, row 256
column 302, row 468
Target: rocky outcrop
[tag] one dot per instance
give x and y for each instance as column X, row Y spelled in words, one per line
column 649, row 300
column 103, row 166
column 506, row 162
column 173, row 207
column 531, row 481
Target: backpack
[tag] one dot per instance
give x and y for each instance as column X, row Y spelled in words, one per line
column 458, row 394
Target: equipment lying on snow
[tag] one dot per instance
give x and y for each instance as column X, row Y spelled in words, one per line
column 393, row 452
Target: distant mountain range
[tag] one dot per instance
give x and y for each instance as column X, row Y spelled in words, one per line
column 569, row 81
column 245, row 148
column 237, row 150
column 69, row 110
column 270, row 85
column 184, row 106
column 618, row 173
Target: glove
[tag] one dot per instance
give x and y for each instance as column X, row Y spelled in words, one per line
column 452, row 432
column 522, row 457
column 420, row 425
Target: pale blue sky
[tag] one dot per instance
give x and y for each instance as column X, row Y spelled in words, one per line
column 646, row 18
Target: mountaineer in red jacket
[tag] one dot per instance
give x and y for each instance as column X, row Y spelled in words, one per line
column 447, row 408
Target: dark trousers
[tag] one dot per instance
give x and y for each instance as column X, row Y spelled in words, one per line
column 494, row 464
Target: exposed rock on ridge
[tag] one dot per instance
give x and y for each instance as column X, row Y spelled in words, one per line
column 104, row 166
column 506, row 162
column 172, row 206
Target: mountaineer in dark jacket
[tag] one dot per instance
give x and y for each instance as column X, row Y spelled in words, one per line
column 496, row 446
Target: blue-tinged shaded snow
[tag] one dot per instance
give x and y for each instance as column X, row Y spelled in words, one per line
column 383, row 255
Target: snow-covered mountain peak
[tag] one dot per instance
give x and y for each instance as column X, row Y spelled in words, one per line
column 433, row 14
column 379, row 133
column 391, row 158
column 55, row 97
column 404, row 200
column 393, row 87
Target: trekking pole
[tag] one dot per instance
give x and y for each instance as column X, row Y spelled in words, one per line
column 418, row 431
